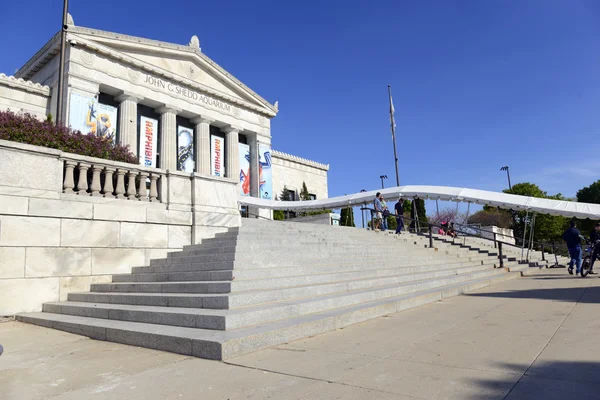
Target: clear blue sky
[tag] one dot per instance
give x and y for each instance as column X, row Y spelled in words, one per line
column 476, row 84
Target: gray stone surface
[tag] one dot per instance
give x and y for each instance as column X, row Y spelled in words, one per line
column 116, row 261
column 120, row 211
column 29, row 231
column 63, row 261
column 446, row 350
column 12, row 262
column 87, row 233
column 60, row 208
column 14, row 205
column 144, row 235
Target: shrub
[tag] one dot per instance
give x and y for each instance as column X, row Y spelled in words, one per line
column 24, row 128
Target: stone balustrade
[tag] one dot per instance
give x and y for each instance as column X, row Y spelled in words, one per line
column 91, row 177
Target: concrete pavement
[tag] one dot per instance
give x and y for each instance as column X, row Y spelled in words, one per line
column 522, row 339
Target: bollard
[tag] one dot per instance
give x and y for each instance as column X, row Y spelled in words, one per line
column 430, row 237
column 500, row 255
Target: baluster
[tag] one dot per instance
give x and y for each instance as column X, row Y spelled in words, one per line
column 142, row 191
column 153, row 189
column 82, row 183
column 120, row 191
column 108, row 182
column 69, row 182
column 131, row 191
column 96, row 187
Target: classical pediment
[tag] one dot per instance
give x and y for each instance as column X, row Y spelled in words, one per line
column 184, row 63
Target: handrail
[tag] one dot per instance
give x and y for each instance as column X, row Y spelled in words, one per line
column 497, row 243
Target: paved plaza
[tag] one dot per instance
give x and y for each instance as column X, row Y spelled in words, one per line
column 529, row 338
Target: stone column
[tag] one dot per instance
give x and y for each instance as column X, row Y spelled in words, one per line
column 232, row 157
column 254, row 165
column 168, row 138
column 202, row 155
column 128, row 121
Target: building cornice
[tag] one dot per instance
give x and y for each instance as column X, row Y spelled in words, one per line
column 22, row 84
column 39, row 59
column 144, row 66
column 52, row 47
column 299, row 160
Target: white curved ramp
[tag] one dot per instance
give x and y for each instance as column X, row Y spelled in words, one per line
column 483, row 197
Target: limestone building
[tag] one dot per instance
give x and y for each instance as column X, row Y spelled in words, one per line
column 175, row 107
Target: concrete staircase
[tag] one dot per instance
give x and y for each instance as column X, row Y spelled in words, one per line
column 268, row 283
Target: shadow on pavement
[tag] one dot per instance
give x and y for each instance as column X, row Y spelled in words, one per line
column 590, row 294
column 556, row 380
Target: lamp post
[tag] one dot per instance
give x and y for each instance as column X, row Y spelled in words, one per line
column 382, row 178
column 61, row 65
column 362, row 212
column 505, row 168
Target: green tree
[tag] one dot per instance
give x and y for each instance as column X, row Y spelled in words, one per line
column 347, row 217
column 285, row 194
column 304, row 194
column 491, row 217
column 547, row 227
column 589, row 194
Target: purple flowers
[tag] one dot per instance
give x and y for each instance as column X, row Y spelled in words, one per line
column 25, row 128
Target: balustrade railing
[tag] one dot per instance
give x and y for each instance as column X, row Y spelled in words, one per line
column 113, row 180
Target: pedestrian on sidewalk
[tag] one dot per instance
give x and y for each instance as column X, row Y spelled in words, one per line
column 594, row 239
column 378, row 211
column 572, row 237
column 385, row 214
column 399, row 209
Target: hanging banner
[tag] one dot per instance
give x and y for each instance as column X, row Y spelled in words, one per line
column 244, row 157
column 148, row 137
column 81, row 113
column 106, row 122
column 266, row 172
column 185, row 149
column 217, row 150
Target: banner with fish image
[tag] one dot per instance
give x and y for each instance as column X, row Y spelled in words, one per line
column 244, row 159
column 185, row 149
column 265, row 172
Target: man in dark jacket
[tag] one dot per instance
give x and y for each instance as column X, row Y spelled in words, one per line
column 399, row 210
column 595, row 237
column 573, row 238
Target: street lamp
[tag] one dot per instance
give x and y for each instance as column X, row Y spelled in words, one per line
column 505, row 168
column 382, row 178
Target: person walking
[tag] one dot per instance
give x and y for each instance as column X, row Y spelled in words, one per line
column 378, row 211
column 572, row 237
column 385, row 213
column 594, row 239
column 399, row 211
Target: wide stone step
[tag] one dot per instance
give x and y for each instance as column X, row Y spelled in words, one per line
column 221, row 345
column 281, row 272
column 234, row 300
column 247, row 316
column 289, row 262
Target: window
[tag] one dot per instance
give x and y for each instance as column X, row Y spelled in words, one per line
column 312, row 196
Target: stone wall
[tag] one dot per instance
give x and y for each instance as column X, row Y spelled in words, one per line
column 502, row 234
column 53, row 243
column 291, row 171
column 23, row 96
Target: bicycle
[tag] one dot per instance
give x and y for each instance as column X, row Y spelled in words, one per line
column 588, row 253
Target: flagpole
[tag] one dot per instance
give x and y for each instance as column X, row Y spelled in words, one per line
column 393, row 124
column 61, row 66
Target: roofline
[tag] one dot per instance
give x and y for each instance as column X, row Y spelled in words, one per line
column 300, row 160
column 54, row 44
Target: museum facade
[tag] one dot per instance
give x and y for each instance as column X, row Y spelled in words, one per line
column 171, row 104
